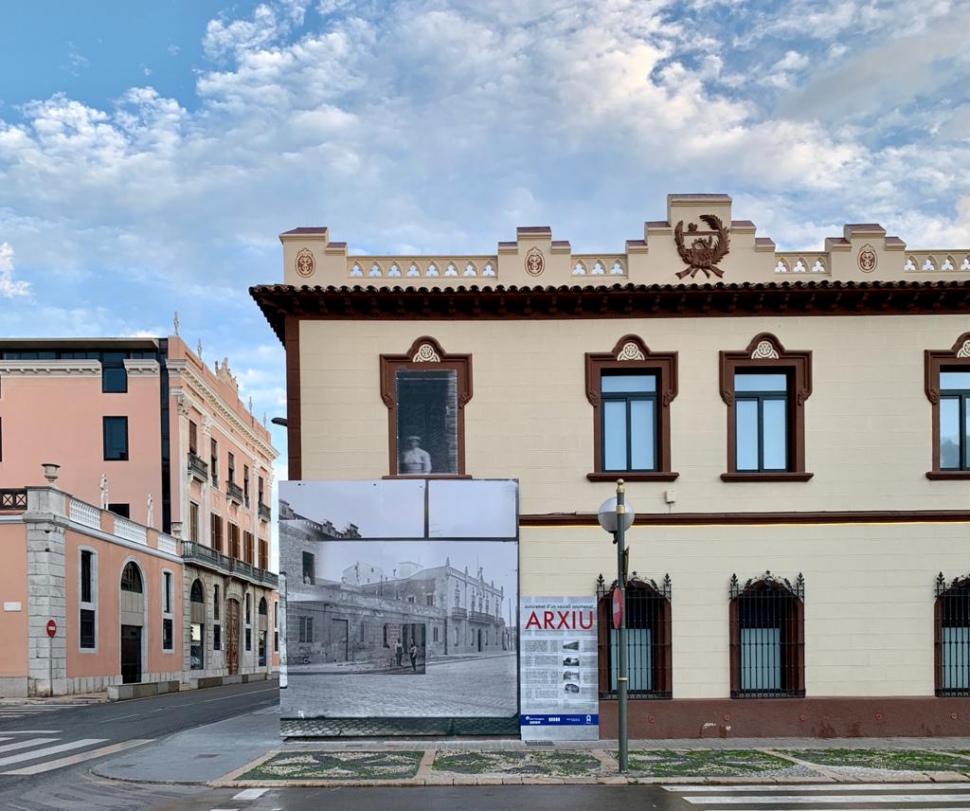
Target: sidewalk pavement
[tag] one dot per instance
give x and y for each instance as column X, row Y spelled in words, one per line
column 244, row 750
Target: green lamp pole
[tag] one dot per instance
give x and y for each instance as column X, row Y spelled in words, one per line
column 616, row 516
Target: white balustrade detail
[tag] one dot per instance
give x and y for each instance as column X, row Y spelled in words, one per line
column 85, row 514
column 166, row 543
column 130, row 531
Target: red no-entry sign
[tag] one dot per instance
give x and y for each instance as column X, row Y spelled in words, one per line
column 51, row 627
column 617, row 608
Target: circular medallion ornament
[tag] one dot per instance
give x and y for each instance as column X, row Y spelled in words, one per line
column 535, row 262
column 867, row 259
column 305, row 264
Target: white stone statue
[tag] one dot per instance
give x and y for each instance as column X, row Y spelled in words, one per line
column 149, row 521
column 104, row 491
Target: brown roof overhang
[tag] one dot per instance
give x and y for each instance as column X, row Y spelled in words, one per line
column 619, row 301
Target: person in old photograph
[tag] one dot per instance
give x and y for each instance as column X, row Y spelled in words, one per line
column 398, row 651
column 413, row 654
column 415, row 459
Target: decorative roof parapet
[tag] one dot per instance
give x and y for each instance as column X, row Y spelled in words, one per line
column 698, row 240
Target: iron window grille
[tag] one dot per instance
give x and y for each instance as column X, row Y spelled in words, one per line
column 951, row 616
column 649, row 662
column 767, row 646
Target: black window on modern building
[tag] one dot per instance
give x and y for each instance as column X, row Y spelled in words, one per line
column 649, row 663
column 952, row 637
column 115, row 434
column 765, row 388
column 631, row 389
column 114, row 377
column 767, row 626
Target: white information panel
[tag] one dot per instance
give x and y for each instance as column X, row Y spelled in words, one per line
column 559, row 673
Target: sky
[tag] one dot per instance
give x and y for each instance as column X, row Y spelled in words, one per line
column 151, row 152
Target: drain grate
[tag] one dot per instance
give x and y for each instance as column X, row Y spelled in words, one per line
column 538, row 743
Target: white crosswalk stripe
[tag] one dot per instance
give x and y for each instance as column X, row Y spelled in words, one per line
column 829, row 796
column 17, row 753
column 9, row 712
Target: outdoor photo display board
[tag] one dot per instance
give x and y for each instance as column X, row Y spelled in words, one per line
column 559, row 669
column 401, row 599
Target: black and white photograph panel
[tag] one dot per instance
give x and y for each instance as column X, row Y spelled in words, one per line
column 473, row 508
column 356, row 509
column 427, row 421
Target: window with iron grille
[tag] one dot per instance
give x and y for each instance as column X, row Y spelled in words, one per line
column 767, row 621
column 647, row 639
column 952, row 637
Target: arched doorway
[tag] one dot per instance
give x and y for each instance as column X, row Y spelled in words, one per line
column 262, row 631
column 132, row 610
column 232, row 636
column 197, row 626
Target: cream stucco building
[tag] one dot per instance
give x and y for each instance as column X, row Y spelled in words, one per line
column 792, row 429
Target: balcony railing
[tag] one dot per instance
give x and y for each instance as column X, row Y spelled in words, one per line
column 13, row 499
column 483, row 618
column 459, row 613
column 264, row 512
column 234, row 491
column 198, row 468
column 193, row 552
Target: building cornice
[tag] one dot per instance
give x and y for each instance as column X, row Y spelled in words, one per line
column 218, row 405
column 50, row 368
column 757, row 518
column 801, row 298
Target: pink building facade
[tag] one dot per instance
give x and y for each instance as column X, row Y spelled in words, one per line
column 165, row 449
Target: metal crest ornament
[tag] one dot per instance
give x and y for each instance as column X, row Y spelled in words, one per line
column 867, row 259
column 702, row 250
column 535, row 262
column 305, row 263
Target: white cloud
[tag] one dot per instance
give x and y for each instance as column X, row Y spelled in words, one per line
column 10, row 287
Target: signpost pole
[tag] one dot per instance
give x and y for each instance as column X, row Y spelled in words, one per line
column 621, row 678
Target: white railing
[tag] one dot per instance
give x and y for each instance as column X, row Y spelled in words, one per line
column 130, row 531
column 85, row 514
column 809, row 263
column 937, row 262
column 424, row 267
column 598, row 265
column 166, row 543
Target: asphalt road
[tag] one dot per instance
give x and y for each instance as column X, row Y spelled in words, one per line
column 47, row 750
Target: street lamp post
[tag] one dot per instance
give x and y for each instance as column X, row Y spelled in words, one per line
column 616, row 516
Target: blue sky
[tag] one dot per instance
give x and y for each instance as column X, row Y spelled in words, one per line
column 150, row 153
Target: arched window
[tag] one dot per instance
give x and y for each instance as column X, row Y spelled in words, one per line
column 767, row 625
column 131, row 579
column 951, row 617
column 262, row 607
column 647, row 638
column 196, row 595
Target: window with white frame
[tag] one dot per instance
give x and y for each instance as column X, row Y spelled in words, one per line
column 87, row 592
column 168, row 620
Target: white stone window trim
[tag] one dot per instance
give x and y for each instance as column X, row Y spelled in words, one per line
column 168, row 595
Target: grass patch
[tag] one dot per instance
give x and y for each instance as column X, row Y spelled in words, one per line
column 338, row 766
column 892, row 760
column 549, row 764
column 705, row 762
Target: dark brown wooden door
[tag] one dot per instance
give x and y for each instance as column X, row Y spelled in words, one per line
column 232, row 636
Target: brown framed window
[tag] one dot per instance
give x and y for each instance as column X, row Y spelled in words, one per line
column 248, row 548
column 215, row 534
column 193, row 437
column 425, row 391
column 765, row 388
column 947, row 386
column 951, row 621
column 631, row 389
column 649, row 663
column 767, row 626
column 234, row 540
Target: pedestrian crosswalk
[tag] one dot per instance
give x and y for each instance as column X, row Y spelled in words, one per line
column 828, row 797
column 12, row 711
column 25, row 752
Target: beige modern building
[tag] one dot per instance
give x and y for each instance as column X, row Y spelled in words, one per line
column 159, row 487
column 792, row 429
